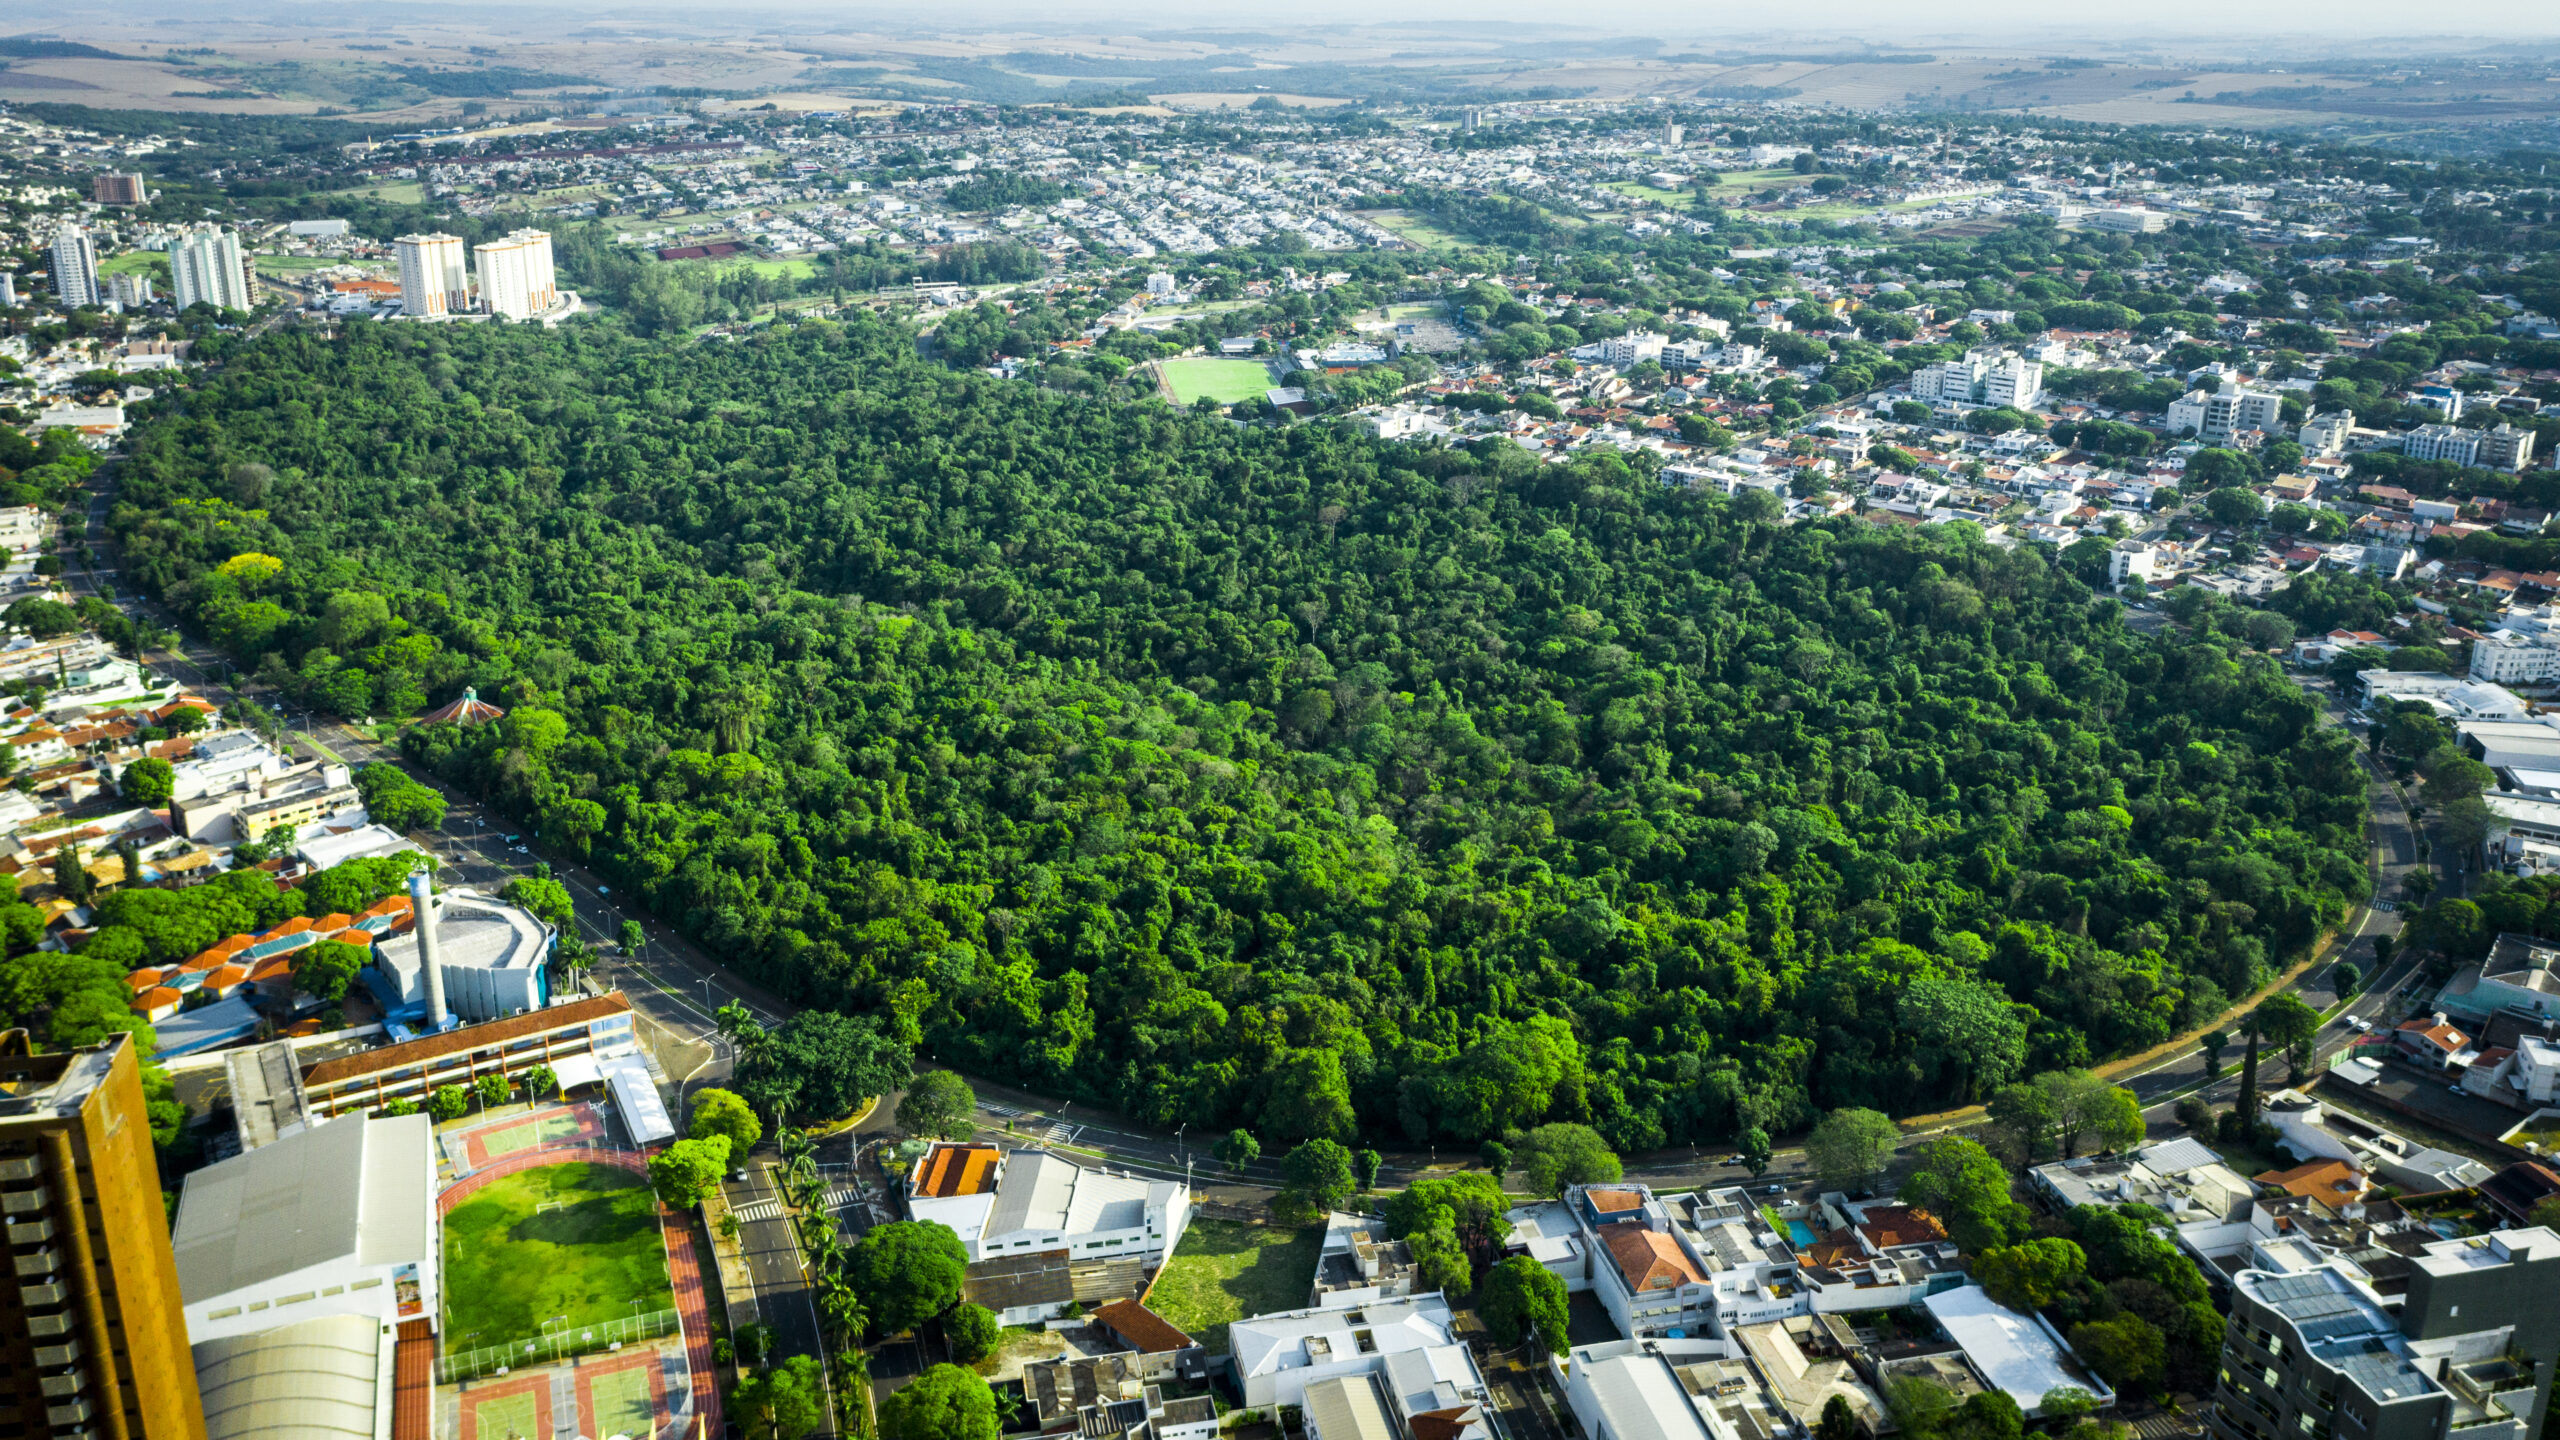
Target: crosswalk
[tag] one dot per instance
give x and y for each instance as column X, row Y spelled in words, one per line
column 754, row 1211
column 843, row 1197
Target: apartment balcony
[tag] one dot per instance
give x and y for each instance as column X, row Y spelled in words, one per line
column 30, row 1232
column 40, row 1297
column 54, row 1357
column 37, row 1263
column 26, row 1202
column 63, row 1387
column 20, row 1168
column 48, row 1327
column 63, row 1417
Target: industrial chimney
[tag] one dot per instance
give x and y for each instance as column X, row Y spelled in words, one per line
column 422, row 901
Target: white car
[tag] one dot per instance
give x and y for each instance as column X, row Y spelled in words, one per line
column 2359, row 1024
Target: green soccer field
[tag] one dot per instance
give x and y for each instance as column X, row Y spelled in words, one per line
column 512, row 1138
column 1225, row 381
column 510, row 1264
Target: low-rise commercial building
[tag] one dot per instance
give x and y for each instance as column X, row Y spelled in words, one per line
column 597, row 1028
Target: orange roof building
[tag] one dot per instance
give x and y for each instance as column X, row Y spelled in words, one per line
column 1145, row 1331
column 1648, row 1259
column 947, row 1172
column 2332, row 1182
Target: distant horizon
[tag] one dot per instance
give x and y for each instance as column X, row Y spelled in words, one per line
column 2181, row 27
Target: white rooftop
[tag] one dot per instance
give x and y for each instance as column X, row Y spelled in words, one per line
column 2013, row 1351
column 1639, row 1398
column 357, row 1189
column 1046, row 1191
column 1264, row 1344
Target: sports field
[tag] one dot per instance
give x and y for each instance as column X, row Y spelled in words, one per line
column 622, row 1403
column 541, row 1130
column 1225, row 381
column 575, row 1242
column 506, row 1415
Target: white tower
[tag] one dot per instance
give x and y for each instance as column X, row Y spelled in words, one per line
column 515, row 274
column 422, row 901
column 433, row 282
column 75, row 268
column 205, row 267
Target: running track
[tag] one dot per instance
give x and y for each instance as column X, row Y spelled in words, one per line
column 684, row 1267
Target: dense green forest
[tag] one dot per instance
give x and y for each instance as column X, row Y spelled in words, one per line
column 1260, row 776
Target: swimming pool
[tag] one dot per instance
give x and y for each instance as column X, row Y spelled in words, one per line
column 1801, row 1233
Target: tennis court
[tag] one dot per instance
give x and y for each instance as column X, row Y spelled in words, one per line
column 540, row 1130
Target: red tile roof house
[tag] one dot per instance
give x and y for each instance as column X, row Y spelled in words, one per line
column 2430, row 1041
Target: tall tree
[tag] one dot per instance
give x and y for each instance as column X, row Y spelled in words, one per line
column 906, row 1272
column 1850, row 1147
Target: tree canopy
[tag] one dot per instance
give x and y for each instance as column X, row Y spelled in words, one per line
column 1264, row 777
column 906, row 1272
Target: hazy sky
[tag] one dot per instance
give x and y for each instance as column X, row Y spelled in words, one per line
column 2173, row 26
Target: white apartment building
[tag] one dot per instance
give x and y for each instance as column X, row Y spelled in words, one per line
column 2442, row 442
column 1633, row 347
column 515, row 274
column 2133, row 560
column 205, row 268
column 433, row 280
column 75, row 268
column 2505, row 658
column 2505, row 448
column 2226, row 412
column 2013, row 382
column 1986, row 376
column 2326, row 436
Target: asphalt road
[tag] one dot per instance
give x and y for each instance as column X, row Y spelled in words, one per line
column 773, row 1262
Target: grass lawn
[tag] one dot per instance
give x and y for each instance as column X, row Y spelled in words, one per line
column 1412, row 227
column 1416, row 310
column 1641, row 191
column 1225, row 381
column 510, row 1264
column 1223, row 1271
column 136, row 262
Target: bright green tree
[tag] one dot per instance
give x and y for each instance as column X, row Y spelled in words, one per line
column 721, row 1112
column 449, row 1102
column 944, row 1403
column 1958, row 1181
column 148, row 781
column 686, row 1172
column 1522, row 1299
column 1555, row 1156
column 1849, row 1146
column 2031, row 1274
column 940, row 1106
column 906, row 1272
column 783, row 1403
column 973, row 1332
